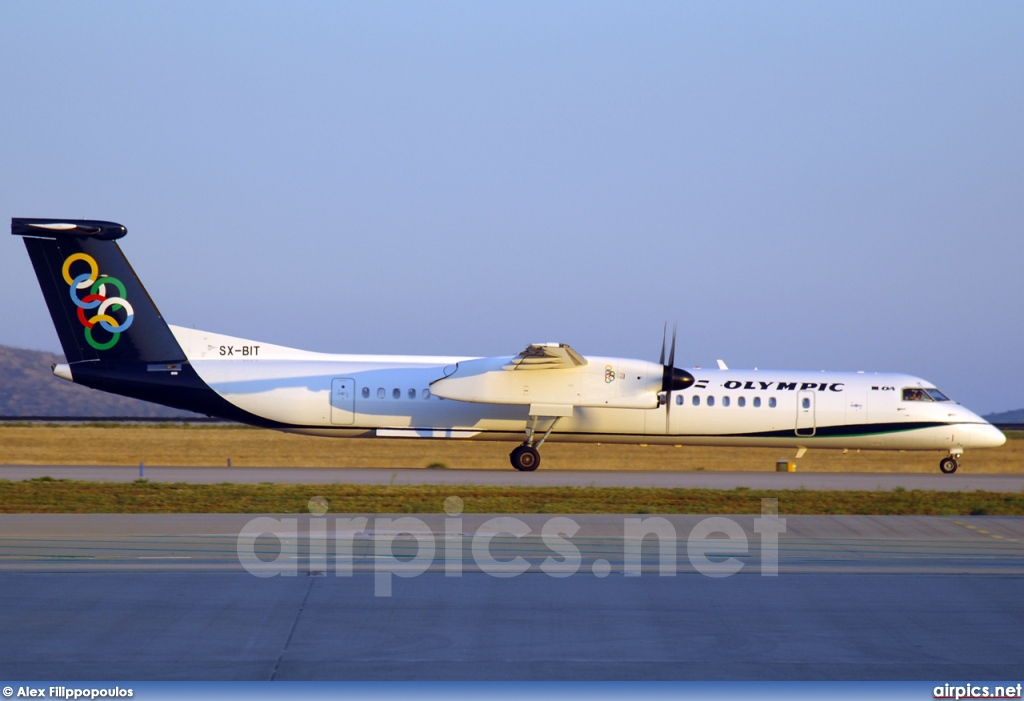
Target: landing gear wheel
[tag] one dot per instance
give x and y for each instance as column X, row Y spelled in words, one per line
column 525, row 458
column 949, row 465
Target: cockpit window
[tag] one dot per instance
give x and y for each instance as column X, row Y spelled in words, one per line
column 915, row 394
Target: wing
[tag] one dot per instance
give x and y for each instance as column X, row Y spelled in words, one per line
column 546, row 356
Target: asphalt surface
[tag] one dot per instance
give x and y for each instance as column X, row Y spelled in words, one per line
column 115, row 597
column 960, row 481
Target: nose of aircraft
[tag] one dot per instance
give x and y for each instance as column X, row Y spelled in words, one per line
column 985, row 436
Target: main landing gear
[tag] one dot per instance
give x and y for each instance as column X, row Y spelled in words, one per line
column 526, row 458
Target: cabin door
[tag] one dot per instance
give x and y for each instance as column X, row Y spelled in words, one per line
column 805, row 413
column 343, row 401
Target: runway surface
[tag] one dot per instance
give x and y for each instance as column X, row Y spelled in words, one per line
column 116, row 597
column 877, row 481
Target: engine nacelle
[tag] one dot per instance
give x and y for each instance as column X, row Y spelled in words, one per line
column 602, row 382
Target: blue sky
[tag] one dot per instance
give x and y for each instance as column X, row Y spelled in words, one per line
column 799, row 185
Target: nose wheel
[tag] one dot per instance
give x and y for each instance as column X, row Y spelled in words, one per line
column 525, row 458
column 949, row 465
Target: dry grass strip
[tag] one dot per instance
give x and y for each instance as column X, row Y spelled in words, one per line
column 176, row 445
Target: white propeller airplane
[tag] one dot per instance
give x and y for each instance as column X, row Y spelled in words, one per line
column 115, row 340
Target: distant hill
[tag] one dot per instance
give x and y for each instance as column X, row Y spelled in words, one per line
column 28, row 388
column 1006, row 417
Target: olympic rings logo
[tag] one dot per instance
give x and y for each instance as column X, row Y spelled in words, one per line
column 609, row 374
column 98, row 299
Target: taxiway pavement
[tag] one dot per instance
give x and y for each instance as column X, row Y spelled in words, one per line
column 118, row 597
column 876, row 481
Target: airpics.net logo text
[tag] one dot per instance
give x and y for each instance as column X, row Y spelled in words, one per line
column 977, row 691
column 406, row 546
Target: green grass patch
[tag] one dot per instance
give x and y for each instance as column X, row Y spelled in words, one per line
column 141, row 496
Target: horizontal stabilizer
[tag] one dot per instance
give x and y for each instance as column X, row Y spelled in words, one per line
column 68, row 228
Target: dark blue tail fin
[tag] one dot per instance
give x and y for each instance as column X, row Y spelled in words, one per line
column 113, row 335
column 99, row 307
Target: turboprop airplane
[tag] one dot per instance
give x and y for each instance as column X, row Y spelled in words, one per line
column 115, row 340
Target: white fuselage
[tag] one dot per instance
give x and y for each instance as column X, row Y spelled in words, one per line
column 612, row 400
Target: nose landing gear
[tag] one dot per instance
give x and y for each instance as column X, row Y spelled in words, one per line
column 952, row 463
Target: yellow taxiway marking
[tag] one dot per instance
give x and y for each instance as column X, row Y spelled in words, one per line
column 984, row 532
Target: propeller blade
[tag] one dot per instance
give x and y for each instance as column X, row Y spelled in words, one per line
column 664, row 339
column 672, row 378
column 672, row 353
column 667, row 377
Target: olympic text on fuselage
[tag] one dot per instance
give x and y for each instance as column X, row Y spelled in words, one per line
column 761, row 385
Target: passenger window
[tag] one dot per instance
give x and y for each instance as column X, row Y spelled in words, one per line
column 679, row 399
column 742, row 401
column 771, row 402
column 426, row 394
column 396, row 393
column 807, row 403
column 711, row 401
column 725, row 401
column 757, row 402
column 412, row 394
column 696, row 400
column 380, row 393
column 366, row 392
